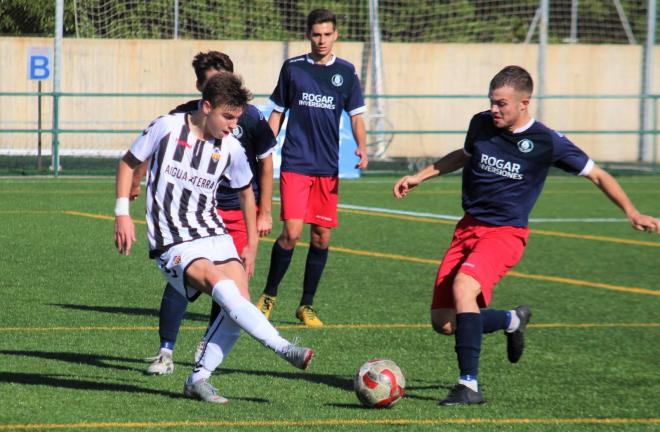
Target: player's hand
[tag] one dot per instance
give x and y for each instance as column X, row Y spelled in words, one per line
column 249, row 256
column 645, row 223
column 404, row 185
column 134, row 192
column 124, row 234
column 264, row 223
column 364, row 160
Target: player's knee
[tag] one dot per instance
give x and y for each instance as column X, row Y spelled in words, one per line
column 289, row 238
column 320, row 243
column 443, row 321
column 320, row 237
column 446, row 328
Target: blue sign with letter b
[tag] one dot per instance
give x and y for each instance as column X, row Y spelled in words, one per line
column 38, row 63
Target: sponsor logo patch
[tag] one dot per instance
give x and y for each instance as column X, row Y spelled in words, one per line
column 525, row 146
column 215, row 156
column 317, row 101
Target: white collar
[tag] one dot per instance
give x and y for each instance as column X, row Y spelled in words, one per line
column 311, row 60
column 525, row 127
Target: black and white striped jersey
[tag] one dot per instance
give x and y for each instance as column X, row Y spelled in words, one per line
column 183, row 176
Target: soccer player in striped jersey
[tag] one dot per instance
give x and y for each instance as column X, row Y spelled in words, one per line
column 315, row 88
column 191, row 153
column 505, row 161
column 258, row 141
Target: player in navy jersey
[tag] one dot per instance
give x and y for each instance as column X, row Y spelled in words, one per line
column 191, row 153
column 505, row 161
column 257, row 139
column 315, row 89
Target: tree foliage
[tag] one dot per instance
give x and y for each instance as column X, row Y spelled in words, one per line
column 400, row 21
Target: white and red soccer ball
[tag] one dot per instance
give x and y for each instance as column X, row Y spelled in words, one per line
column 379, row 383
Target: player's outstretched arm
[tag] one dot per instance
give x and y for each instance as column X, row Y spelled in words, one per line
column 249, row 208
column 613, row 190
column 360, row 135
column 275, row 121
column 124, row 227
column 449, row 163
column 264, row 216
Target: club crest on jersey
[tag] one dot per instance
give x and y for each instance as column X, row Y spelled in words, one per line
column 215, row 155
column 177, row 260
column 525, row 146
column 237, row 132
column 337, row 80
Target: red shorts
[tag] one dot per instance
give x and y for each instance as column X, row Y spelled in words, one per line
column 235, row 224
column 310, row 198
column 481, row 250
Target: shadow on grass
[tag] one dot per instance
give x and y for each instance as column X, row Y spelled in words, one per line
column 336, row 381
column 128, row 311
column 97, row 360
column 65, row 381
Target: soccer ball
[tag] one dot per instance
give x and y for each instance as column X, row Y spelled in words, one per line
column 379, row 383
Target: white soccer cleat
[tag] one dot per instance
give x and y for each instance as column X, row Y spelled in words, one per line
column 299, row 357
column 160, row 365
column 204, row 391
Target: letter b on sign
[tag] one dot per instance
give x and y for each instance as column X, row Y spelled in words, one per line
column 38, row 63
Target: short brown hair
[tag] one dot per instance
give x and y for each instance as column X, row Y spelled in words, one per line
column 319, row 16
column 204, row 62
column 513, row 76
column 226, row 89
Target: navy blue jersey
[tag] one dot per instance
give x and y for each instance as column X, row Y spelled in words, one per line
column 315, row 96
column 257, row 139
column 506, row 171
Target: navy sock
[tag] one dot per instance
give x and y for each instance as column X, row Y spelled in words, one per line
column 495, row 319
column 215, row 311
column 172, row 308
column 316, row 259
column 469, row 326
column 280, row 259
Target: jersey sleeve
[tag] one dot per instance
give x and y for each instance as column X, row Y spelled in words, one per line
column 468, row 146
column 279, row 97
column 264, row 141
column 355, row 101
column 238, row 173
column 569, row 157
column 147, row 143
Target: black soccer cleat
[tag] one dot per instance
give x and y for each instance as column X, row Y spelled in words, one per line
column 462, row 395
column 515, row 341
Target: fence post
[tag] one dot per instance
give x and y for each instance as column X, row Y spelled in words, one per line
column 59, row 25
column 377, row 123
column 543, row 44
column 176, row 19
column 643, row 153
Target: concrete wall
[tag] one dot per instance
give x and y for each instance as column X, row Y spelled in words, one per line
column 148, row 66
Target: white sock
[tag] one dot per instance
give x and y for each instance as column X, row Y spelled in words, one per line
column 221, row 337
column 199, row 373
column 247, row 316
column 471, row 384
column 515, row 322
column 166, row 352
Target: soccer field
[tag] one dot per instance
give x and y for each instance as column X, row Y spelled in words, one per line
column 78, row 319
